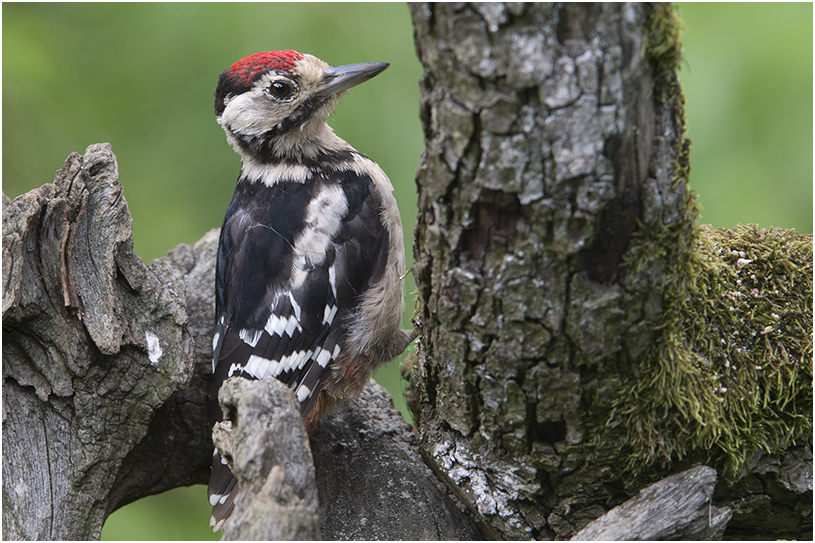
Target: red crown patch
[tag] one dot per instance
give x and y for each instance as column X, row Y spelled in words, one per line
column 246, row 68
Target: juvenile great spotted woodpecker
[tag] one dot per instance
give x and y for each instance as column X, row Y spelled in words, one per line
column 311, row 255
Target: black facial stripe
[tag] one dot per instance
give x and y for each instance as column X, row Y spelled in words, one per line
column 262, row 149
column 303, row 113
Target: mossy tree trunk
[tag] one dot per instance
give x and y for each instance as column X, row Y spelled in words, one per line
column 563, row 364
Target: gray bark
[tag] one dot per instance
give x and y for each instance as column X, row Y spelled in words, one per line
column 96, row 414
column 366, row 469
column 677, row 508
column 561, row 368
column 94, row 341
column 373, row 483
column 267, row 446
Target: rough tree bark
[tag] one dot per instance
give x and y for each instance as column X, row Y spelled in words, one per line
column 94, row 341
column 105, row 362
column 677, row 508
column 581, row 336
column 571, row 313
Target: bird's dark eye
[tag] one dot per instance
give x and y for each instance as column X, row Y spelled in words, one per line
column 280, row 89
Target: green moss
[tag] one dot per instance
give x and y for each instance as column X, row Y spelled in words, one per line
column 730, row 372
column 662, row 48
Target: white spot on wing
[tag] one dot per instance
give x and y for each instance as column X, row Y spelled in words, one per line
column 213, row 500
column 154, row 351
column 265, row 368
column 303, row 393
column 300, row 361
column 323, row 358
column 254, row 364
column 282, row 325
column 332, row 279
column 295, row 306
column 250, row 337
column 289, row 361
column 292, row 325
column 275, row 325
column 330, row 312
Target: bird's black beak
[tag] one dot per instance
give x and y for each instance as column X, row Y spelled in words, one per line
column 340, row 78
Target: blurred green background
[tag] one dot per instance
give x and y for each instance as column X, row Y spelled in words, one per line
column 141, row 77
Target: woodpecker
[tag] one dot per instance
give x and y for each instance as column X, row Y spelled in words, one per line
column 311, row 255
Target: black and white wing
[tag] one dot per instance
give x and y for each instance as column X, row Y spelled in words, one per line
column 293, row 260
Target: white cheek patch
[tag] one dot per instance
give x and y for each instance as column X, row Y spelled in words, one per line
column 252, row 114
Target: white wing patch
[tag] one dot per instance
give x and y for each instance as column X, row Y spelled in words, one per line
column 258, row 366
column 282, row 325
column 323, row 220
column 330, row 312
column 323, row 358
column 303, row 393
column 332, row 279
column 250, row 337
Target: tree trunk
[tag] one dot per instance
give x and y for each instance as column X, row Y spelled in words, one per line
column 581, row 337
column 94, row 341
